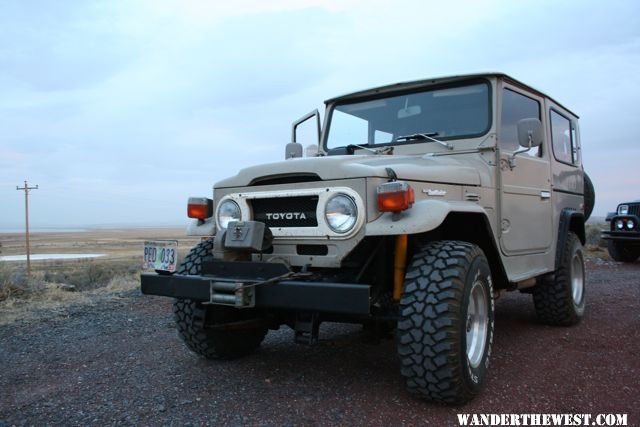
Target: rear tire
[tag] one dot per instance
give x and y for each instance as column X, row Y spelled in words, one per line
column 445, row 327
column 622, row 252
column 194, row 319
column 560, row 298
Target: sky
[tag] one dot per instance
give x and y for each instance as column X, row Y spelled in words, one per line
column 120, row 110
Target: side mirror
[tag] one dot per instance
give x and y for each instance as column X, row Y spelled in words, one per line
column 529, row 136
column 294, row 149
column 530, row 133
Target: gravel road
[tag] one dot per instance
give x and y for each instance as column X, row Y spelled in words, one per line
column 119, row 362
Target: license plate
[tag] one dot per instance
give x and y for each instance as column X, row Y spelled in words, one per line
column 161, row 255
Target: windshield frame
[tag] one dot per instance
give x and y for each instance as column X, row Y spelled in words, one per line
column 331, row 109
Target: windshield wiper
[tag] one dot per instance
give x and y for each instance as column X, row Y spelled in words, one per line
column 429, row 136
column 385, row 150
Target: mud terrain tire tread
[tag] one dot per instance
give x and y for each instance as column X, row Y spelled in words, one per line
column 432, row 321
column 553, row 298
column 190, row 317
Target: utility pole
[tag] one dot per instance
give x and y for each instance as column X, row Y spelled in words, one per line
column 26, row 189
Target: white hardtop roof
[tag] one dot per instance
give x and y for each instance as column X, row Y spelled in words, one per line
column 421, row 84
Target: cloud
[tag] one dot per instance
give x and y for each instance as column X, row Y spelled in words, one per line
column 113, row 102
column 54, row 49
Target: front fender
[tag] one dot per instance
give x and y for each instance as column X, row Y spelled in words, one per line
column 423, row 216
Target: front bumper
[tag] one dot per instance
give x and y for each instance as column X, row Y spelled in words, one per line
column 343, row 298
column 627, row 236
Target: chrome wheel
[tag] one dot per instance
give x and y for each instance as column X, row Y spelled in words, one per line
column 577, row 279
column 477, row 323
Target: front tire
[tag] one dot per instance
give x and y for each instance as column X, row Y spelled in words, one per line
column 194, row 319
column 621, row 252
column 560, row 298
column 445, row 328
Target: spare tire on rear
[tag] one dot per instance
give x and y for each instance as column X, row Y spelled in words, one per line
column 589, row 196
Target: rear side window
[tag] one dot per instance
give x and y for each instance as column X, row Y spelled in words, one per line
column 563, row 139
column 516, row 107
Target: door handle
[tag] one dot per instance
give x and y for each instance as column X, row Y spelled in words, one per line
column 545, row 195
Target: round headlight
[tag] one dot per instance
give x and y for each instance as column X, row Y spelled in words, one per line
column 619, row 224
column 228, row 211
column 630, row 224
column 341, row 213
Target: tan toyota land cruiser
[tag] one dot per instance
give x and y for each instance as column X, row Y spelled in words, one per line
column 422, row 202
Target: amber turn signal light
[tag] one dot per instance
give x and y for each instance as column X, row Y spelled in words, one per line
column 199, row 207
column 395, row 196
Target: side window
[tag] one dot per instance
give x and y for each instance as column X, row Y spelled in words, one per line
column 563, row 139
column 516, row 107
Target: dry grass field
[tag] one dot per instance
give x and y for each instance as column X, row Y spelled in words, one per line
column 115, row 243
column 53, row 284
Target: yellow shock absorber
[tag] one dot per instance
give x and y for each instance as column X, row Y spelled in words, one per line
column 399, row 263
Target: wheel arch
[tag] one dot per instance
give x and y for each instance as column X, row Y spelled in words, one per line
column 572, row 221
column 472, row 227
column 424, row 216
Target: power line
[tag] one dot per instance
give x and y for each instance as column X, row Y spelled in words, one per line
column 26, row 189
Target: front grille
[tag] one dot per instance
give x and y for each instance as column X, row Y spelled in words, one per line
column 286, row 211
column 634, row 210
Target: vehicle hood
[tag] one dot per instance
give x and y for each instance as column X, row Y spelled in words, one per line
column 442, row 169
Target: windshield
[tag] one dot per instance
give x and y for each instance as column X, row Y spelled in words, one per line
column 444, row 113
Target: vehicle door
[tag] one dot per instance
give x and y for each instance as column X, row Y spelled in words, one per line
column 526, row 208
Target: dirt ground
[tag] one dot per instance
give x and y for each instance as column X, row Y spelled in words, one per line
column 116, row 360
